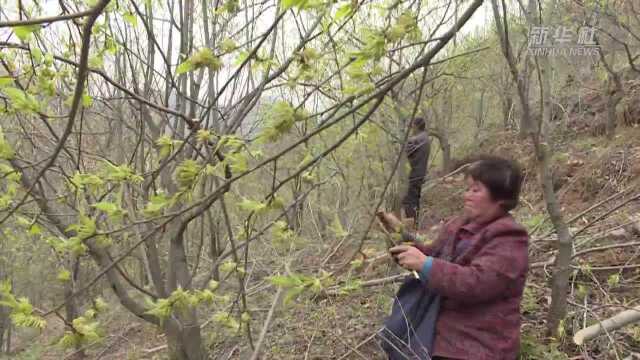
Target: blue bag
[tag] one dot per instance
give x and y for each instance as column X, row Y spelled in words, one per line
column 409, row 331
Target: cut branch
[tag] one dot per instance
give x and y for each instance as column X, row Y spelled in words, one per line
column 615, row 322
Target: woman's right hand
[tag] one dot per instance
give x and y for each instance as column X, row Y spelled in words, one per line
column 389, row 221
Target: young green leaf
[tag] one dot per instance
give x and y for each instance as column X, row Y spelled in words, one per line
column 110, row 45
column 283, row 281
column 279, row 120
column 201, row 58
column 213, row 285
column 166, row 145
column 5, row 81
column 227, row 45
column 111, row 209
column 205, row 136
column 24, row 32
column 82, row 181
column 64, row 275
column 87, row 100
column 186, row 174
column 350, row 286
column 100, row 305
column 228, row 266
column 120, row 173
column 301, row 4
column 156, row 205
column 249, row 205
column 21, row 101
column 161, row 309
column 131, row 18
column 245, row 317
column 103, row 241
column 237, row 161
column 34, row 230
column 21, row 311
column 282, row 238
column 37, row 54
column 342, row 12
column 230, row 6
column 292, row 294
column 226, row 320
column 84, row 229
column 96, row 61
column 185, row 67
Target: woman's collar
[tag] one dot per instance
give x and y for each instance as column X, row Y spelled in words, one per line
column 474, row 226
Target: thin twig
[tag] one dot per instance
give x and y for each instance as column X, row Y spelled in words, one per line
column 306, row 354
column 333, row 291
column 75, row 103
column 265, row 327
column 352, row 349
column 190, row 122
column 360, row 344
column 615, row 208
column 607, row 247
column 605, row 268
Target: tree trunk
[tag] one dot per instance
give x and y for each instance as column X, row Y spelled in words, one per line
column 215, row 248
column 443, row 130
column 71, row 307
column 615, row 92
column 445, row 146
column 5, row 325
column 402, row 185
column 397, row 192
column 507, row 103
column 561, row 274
column 184, row 341
column 446, row 153
column 612, row 103
column 298, row 209
column 562, row 269
column 5, row 321
column 480, row 111
column 7, row 348
column 183, row 331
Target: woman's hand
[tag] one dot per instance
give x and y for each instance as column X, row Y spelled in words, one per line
column 409, row 257
column 390, row 222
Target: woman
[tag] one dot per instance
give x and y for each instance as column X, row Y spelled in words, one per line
column 481, row 286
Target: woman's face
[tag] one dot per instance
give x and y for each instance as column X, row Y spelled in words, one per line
column 478, row 204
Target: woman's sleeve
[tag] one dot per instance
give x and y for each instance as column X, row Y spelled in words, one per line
column 489, row 275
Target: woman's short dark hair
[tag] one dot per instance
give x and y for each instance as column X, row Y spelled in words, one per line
column 502, row 177
column 419, row 123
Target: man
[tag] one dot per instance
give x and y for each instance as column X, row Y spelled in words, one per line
column 417, row 149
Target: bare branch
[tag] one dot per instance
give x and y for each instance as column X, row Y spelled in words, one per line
column 45, row 20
